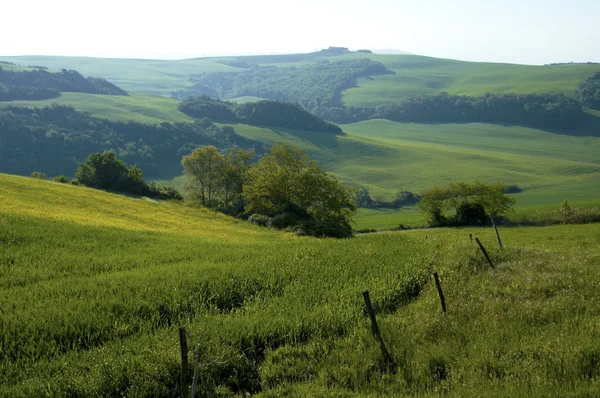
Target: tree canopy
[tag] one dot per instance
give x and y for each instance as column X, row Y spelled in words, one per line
column 106, row 171
column 468, row 203
column 261, row 113
column 286, row 183
column 285, row 189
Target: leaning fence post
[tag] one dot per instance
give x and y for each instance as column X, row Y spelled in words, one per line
column 496, row 229
column 440, row 292
column 184, row 362
column 484, row 252
column 375, row 329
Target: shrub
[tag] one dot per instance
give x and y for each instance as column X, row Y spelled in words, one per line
column 61, row 179
column 39, row 174
column 260, row 220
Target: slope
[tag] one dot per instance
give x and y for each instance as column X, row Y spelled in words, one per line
column 387, row 157
column 95, row 287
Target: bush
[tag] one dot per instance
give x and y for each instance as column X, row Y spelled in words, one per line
column 39, row 174
column 61, row 179
column 260, row 220
column 470, row 214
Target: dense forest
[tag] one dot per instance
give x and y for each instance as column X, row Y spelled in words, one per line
column 261, row 113
column 314, row 86
column 56, row 139
column 590, row 92
column 539, row 110
column 39, row 84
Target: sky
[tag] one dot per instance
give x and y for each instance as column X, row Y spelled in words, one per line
column 515, row 31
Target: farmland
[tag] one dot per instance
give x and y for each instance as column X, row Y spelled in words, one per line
column 94, row 286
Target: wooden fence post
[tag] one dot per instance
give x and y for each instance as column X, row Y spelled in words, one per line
column 184, row 363
column 484, row 252
column 496, row 229
column 440, row 292
column 375, row 329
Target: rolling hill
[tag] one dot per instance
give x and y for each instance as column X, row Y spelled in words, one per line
column 96, row 285
column 550, row 165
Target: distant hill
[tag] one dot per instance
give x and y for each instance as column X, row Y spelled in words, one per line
column 36, row 83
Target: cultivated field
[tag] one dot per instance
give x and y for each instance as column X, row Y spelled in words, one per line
column 94, row 287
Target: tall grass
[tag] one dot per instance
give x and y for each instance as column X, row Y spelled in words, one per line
column 91, row 306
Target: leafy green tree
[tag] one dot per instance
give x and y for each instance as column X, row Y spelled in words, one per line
column 235, row 174
column 467, row 202
column 102, row 171
column 286, row 181
column 206, row 168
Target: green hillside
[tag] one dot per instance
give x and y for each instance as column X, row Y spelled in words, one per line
column 424, row 75
column 387, row 157
column 413, row 74
column 137, row 107
column 96, row 285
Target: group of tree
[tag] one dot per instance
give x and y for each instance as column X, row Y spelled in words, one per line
column 589, row 92
column 314, row 86
column 39, row 84
column 107, row 172
column 284, row 189
column 362, row 198
column 462, row 203
column 539, row 110
column 261, row 113
column 57, row 138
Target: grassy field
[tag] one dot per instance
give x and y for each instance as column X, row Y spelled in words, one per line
column 425, row 75
column 142, row 108
column 387, row 157
column 95, row 285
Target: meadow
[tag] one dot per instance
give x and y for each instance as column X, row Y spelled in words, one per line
column 94, row 287
column 136, row 107
column 387, row 157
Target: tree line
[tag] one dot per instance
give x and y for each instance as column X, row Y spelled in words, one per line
column 39, row 84
column 261, row 113
column 57, row 138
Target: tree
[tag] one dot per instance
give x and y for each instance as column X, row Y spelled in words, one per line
column 362, row 198
column 206, row 167
column 235, row 174
column 285, row 182
column 102, row 170
column 467, row 201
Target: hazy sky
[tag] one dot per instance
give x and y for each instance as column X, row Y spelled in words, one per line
column 520, row 31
